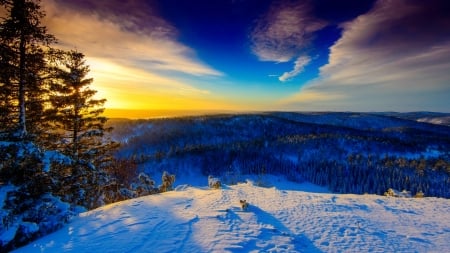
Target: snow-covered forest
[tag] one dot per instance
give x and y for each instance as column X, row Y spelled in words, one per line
column 347, row 152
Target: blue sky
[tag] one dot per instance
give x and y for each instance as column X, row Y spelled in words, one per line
column 322, row 55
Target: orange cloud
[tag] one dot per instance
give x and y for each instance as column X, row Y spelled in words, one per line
column 131, row 68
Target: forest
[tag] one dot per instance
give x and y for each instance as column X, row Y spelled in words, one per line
column 347, row 152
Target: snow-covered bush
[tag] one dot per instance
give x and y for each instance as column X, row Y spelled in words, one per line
column 214, row 182
column 419, row 194
column 79, row 183
column 123, row 181
column 167, row 182
column 127, row 193
column 145, row 186
column 28, row 209
column 399, row 194
column 389, row 193
column 23, row 218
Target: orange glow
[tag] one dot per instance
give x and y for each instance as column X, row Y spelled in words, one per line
column 149, row 114
column 136, row 91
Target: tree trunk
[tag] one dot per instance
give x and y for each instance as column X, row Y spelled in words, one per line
column 22, row 131
column 76, row 129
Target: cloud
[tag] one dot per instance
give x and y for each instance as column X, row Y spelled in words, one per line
column 102, row 29
column 284, row 32
column 395, row 57
column 299, row 66
column 310, row 99
column 128, row 87
column 134, row 56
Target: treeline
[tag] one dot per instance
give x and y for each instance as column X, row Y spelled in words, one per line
column 348, row 152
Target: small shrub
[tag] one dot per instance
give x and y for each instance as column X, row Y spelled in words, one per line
column 145, row 186
column 167, row 182
column 214, row 182
column 419, row 194
column 389, row 193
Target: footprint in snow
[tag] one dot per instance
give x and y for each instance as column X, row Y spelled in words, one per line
column 415, row 239
column 333, row 199
column 137, row 203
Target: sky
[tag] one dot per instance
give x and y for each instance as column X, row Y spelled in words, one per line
column 261, row 55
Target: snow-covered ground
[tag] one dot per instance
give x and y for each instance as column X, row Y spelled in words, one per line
column 285, row 218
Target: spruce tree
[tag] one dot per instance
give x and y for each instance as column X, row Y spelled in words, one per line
column 23, row 44
column 76, row 112
column 81, row 128
column 22, row 41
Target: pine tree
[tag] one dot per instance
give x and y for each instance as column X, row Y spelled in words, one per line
column 22, row 43
column 76, row 112
column 78, row 123
column 23, row 46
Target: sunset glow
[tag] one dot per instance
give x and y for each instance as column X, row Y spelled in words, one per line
column 261, row 55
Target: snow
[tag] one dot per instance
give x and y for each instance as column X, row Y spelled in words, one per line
column 7, row 230
column 54, row 156
column 279, row 219
column 440, row 120
column 29, row 227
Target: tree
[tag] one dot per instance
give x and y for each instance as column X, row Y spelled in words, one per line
column 22, row 43
column 78, row 122
column 76, row 113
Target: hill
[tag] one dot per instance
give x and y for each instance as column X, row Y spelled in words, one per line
column 279, row 219
column 344, row 151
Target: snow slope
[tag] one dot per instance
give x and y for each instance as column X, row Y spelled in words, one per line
column 196, row 219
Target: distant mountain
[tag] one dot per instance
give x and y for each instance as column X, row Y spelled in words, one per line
column 428, row 117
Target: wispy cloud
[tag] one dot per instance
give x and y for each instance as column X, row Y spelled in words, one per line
column 285, row 33
column 134, row 56
column 127, row 87
column 395, row 57
column 122, row 37
column 299, row 66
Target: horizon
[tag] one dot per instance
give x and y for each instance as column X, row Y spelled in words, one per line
column 295, row 55
column 135, row 114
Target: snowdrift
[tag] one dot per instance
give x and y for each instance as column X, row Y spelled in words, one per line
column 277, row 220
